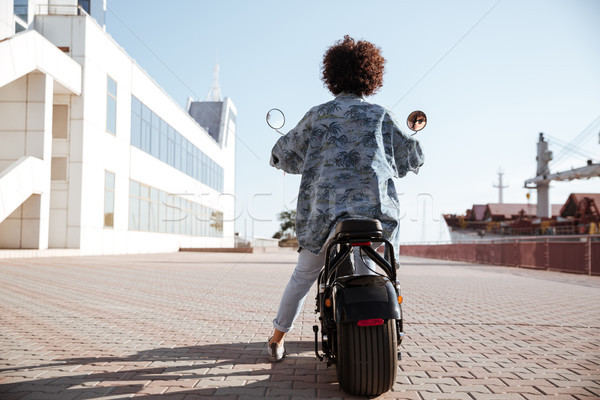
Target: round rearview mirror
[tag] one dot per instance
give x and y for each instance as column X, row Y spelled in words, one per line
column 276, row 119
column 416, row 121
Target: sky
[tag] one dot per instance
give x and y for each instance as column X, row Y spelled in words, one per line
column 490, row 75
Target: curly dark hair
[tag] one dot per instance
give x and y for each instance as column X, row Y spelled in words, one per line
column 353, row 67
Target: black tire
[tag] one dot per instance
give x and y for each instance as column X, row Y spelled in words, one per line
column 367, row 358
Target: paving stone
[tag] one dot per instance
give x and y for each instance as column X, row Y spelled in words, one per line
column 445, row 396
column 180, row 326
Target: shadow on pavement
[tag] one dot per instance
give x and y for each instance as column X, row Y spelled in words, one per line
column 185, row 372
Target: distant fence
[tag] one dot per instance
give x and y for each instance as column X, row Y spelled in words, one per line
column 578, row 254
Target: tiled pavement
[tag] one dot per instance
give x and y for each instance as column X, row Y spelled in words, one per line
column 194, row 325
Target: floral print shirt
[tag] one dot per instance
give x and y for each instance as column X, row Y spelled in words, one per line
column 349, row 153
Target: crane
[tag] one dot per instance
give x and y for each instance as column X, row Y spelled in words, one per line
column 543, row 176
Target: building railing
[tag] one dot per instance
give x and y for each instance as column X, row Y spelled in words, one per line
column 578, row 254
column 59, row 9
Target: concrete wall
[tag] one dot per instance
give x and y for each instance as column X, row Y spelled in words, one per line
column 66, row 196
column 26, row 115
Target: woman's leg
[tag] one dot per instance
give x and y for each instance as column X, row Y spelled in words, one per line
column 306, row 273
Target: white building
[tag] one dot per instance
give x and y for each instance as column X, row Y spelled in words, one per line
column 94, row 155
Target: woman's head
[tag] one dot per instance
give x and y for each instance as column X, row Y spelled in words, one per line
column 353, row 67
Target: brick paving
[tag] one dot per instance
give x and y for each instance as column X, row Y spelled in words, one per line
column 193, row 325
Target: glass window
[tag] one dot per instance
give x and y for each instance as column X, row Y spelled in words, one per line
column 144, row 208
column 111, row 106
column 195, row 163
column 134, row 206
column 146, row 113
column 184, row 153
column 163, row 141
column 182, row 215
column 144, row 191
column 170, row 223
column 186, row 216
column 134, row 212
column 171, row 146
column 85, row 4
column 155, row 135
column 186, row 219
column 190, row 163
column 136, row 130
column 178, row 152
column 190, row 218
column 136, row 122
column 211, row 225
column 153, row 210
column 207, row 216
column 20, row 8
column 204, row 169
column 136, row 105
column 177, row 214
column 109, row 199
column 19, row 27
column 221, row 179
column 162, row 212
column 134, row 188
column 145, row 135
column 202, row 221
column 193, row 218
column 217, row 223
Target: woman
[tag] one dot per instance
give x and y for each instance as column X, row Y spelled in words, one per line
column 348, row 151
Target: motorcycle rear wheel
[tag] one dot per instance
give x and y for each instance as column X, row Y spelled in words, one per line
column 367, row 358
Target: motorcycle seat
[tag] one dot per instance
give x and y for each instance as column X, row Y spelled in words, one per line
column 362, row 227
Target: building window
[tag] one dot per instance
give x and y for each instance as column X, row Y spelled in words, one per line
column 19, row 27
column 58, row 169
column 20, row 9
column 146, row 129
column 109, row 199
column 153, row 210
column 134, row 206
column 85, row 4
column 136, row 122
column 60, row 121
column 154, row 136
column 111, row 106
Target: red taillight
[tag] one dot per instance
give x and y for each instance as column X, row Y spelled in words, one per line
column 361, row 244
column 370, row 322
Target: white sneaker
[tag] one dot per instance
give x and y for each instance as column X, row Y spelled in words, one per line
column 276, row 352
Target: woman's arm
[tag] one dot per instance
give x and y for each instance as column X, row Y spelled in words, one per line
column 407, row 150
column 289, row 152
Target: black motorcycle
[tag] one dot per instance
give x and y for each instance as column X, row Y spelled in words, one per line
column 360, row 315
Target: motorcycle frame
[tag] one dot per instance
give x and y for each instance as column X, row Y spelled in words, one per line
column 328, row 279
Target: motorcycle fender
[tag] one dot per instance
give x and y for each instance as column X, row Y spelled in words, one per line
column 367, row 298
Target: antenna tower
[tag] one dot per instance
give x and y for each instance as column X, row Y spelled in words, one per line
column 214, row 94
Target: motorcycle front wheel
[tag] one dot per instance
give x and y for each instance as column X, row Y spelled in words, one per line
column 367, row 358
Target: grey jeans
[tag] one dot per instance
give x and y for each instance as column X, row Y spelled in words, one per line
column 306, row 273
